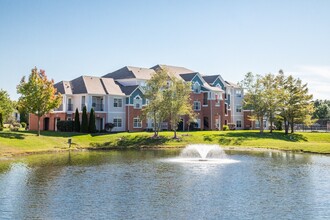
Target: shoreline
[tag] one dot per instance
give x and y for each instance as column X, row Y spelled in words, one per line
column 5, row 157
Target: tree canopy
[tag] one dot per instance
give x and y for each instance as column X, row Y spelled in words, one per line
column 38, row 95
column 6, row 107
column 276, row 96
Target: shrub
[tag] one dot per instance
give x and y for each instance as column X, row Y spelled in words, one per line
column 92, row 126
column 65, row 126
column 23, row 124
column 76, row 121
column 225, row 128
column 109, row 126
column 15, row 126
column 232, row 126
column 84, row 121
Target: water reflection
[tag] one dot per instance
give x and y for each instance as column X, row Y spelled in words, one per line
column 142, row 185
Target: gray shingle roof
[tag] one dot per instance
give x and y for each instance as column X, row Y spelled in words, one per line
column 188, row 76
column 111, row 86
column 129, row 72
column 210, row 79
column 127, row 90
column 176, row 70
column 63, row 87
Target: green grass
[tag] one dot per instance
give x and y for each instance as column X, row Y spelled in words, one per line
column 12, row 143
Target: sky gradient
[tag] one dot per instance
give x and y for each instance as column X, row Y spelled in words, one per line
column 73, row 38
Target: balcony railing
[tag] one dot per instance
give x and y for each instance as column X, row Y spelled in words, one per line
column 98, row 107
column 70, row 107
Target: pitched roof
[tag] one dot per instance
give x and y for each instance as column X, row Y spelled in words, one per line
column 127, row 90
column 210, row 79
column 78, row 86
column 129, row 72
column 175, row 70
column 63, row 87
column 111, row 87
column 87, row 84
column 233, row 84
column 188, row 76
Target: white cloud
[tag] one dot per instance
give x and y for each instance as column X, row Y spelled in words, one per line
column 317, row 77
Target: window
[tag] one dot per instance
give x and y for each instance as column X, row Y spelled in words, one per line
column 198, row 123
column 226, row 109
column 137, row 102
column 83, row 102
column 238, row 124
column 238, row 108
column 117, row 102
column 196, row 87
column 217, row 100
column 205, row 97
column 197, row 105
column 137, row 122
column 117, row 122
column 238, row 93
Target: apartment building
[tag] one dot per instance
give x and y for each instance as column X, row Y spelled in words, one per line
column 118, row 98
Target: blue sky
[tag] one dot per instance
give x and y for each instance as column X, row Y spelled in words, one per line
column 76, row 37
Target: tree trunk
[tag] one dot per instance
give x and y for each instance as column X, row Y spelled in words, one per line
column 174, row 134
column 292, row 127
column 261, row 125
column 286, row 126
column 271, row 124
column 38, row 126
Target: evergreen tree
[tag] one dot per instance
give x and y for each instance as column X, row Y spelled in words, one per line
column 84, row 121
column 92, row 126
column 76, row 121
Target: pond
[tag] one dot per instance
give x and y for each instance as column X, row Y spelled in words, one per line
column 147, row 184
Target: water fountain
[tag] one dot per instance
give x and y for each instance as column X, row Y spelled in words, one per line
column 203, row 153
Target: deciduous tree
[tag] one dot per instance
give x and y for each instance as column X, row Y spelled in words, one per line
column 38, row 94
column 6, row 107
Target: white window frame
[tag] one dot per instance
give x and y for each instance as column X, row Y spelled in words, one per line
column 136, row 102
column 238, row 93
column 137, row 123
column 119, row 121
column 197, row 88
column 197, row 104
column 238, row 108
column 117, row 102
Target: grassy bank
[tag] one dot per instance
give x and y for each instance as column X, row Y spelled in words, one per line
column 13, row 143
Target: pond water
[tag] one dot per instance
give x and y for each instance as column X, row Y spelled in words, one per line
column 149, row 185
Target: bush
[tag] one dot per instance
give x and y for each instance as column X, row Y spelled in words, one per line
column 109, row 126
column 232, row 126
column 23, row 124
column 65, row 126
column 15, row 126
column 225, row 128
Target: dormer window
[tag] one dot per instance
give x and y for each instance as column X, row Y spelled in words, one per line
column 137, row 102
column 197, row 87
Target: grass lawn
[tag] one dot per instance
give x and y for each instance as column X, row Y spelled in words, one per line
column 12, row 143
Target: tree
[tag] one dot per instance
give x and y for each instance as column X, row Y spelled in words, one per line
column 92, row 126
column 322, row 109
column 76, row 121
column 6, row 107
column 84, row 121
column 297, row 103
column 255, row 98
column 38, row 94
column 272, row 96
column 154, row 92
column 177, row 101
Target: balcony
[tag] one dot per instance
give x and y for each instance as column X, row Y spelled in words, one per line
column 98, row 107
column 70, row 107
